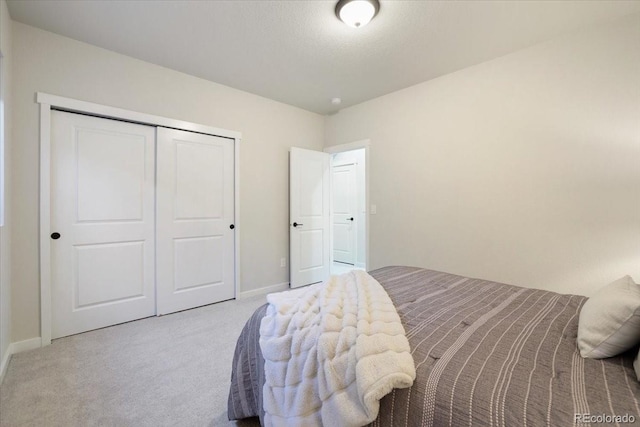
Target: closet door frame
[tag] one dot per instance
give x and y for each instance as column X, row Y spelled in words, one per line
column 53, row 102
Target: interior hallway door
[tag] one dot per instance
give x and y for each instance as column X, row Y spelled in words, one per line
column 345, row 207
column 309, row 216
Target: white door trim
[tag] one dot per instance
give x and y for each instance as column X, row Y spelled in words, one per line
column 47, row 103
column 356, row 145
column 45, row 224
column 83, row 107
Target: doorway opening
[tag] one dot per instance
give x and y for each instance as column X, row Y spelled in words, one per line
column 349, row 201
column 325, row 239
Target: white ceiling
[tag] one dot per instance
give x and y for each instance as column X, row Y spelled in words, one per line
column 299, row 53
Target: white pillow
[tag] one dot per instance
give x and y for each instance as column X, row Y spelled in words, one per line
column 610, row 320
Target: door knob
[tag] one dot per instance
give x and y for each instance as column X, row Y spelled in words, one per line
column 295, row 224
column 232, row 226
column 55, row 236
column 350, row 219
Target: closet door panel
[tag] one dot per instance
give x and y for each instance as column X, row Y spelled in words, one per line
column 195, row 209
column 102, row 209
column 199, row 175
column 190, row 271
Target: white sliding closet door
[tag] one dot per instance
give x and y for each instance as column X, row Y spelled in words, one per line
column 102, row 222
column 195, row 213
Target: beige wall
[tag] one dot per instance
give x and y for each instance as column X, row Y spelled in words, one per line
column 524, row 169
column 5, row 231
column 49, row 63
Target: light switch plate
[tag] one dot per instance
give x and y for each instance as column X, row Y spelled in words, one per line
column 374, row 209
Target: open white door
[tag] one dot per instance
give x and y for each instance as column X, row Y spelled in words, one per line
column 309, row 216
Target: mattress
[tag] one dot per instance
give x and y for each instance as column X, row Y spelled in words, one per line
column 486, row 353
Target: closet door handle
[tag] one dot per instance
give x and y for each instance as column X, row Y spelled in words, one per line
column 55, row 236
column 350, row 219
column 295, row 224
column 232, row 226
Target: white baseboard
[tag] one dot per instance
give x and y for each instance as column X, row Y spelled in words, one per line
column 26, row 345
column 18, row 347
column 265, row 290
column 6, row 357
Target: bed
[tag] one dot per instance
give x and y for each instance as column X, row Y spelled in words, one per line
column 486, row 353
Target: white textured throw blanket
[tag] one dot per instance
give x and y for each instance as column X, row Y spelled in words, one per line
column 331, row 352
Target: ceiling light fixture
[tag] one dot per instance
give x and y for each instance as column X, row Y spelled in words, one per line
column 357, row 13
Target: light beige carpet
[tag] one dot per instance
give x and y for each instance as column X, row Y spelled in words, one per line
column 172, row 370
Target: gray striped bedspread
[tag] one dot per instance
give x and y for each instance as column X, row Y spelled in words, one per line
column 486, row 354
